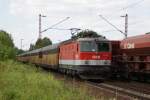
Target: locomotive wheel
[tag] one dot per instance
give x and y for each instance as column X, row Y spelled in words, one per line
column 67, row 71
column 73, row 73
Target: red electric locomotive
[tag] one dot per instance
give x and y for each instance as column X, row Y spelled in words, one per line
column 90, row 58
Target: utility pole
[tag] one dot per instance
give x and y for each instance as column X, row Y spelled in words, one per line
column 126, row 25
column 40, row 16
column 39, row 26
column 21, row 44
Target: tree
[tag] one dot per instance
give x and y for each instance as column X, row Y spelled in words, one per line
column 46, row 41
column 7, row 49
column 148, row 33
column 19, row 51
column 31, row 47
column 6, row 39
column 40, row 43
column 86, row 33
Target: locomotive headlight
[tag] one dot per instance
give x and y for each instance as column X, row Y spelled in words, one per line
column 76, row 56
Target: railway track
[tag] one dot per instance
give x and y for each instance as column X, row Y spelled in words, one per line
column 124, row 90
column 114, row 89
column 136, row 86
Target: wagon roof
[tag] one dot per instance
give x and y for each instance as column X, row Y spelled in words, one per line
column 139, row 41
column 49, row 47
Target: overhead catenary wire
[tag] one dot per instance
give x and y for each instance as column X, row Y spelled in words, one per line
column 116, row 12
column 129, row 6
column 133, row 4
column 111, row 24
column 108, row 31
column 56, row 24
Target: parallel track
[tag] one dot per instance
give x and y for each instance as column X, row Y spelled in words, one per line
column 118, row 89
column 129, row 91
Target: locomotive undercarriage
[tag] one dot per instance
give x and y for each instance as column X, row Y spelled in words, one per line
column 87, row 72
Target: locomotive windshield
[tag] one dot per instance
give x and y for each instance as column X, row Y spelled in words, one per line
column 102, row 47
column 87, row 46
column 92, row 46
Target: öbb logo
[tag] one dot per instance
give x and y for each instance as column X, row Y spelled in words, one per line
column 128, row 45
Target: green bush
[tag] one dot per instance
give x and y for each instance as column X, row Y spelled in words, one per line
column 7, row 49
column 26, row 82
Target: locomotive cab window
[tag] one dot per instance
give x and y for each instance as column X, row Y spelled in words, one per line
column 103, row 47
column 87, row 46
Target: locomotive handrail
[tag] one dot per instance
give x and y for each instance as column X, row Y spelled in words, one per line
column 137, row 61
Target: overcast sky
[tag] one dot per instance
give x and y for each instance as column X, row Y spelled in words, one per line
column 20, row 18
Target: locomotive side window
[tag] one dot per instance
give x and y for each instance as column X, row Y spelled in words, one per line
column 103, row 47
column 87, row 46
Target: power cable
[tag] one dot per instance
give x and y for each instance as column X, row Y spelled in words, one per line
column 111, row 24
column 56, row 24
column 133, row 4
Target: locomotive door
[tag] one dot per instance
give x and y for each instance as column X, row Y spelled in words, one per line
column 102, row 52
column 97, row 53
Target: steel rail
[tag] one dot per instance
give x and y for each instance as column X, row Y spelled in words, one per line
column 121, row 91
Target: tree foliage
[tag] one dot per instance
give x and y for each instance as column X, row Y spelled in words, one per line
column 19, row 51
column 40, row 43
column 7, row 49
column 31, row 47
column 148, row 33
column 46, row 41
column 86, row 33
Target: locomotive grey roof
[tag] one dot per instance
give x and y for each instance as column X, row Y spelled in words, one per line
column 85, row 39
column 91, row 39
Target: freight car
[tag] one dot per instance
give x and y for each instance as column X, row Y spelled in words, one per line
column 133, row 57
column 89, row 58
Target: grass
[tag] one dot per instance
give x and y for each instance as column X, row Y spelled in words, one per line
column 25, row 82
